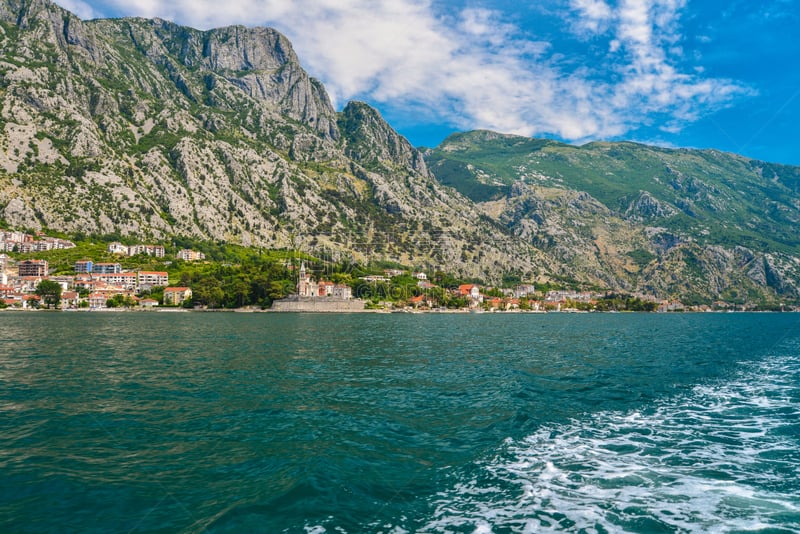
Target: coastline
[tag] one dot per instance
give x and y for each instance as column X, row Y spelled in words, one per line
column 322, row 309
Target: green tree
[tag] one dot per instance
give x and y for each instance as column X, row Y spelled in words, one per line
column 280, row 289
column 50, row 292
column 120, row 301
column 208, row 292
column 237, row 291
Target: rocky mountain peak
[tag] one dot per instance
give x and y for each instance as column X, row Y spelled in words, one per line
column 372, row 142
column 137, row 127
column 46, row 22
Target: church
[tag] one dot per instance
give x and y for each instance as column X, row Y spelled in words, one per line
column 308, row 287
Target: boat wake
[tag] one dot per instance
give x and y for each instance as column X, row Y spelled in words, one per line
column 723, row 457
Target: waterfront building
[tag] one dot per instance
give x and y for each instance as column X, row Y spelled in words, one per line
column 175, row 296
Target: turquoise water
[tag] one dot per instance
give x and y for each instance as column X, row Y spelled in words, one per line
column 159, row 422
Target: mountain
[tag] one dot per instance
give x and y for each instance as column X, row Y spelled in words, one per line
column 144, row 128
column 695, row 224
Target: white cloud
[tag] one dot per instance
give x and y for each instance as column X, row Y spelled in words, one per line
column 593, row 15
column 474, row 69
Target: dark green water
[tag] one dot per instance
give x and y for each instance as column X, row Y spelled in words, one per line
column 158, row 422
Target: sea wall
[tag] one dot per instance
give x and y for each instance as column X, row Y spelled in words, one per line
column 317, row 304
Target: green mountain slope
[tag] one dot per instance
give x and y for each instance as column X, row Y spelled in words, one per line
column 711, row 196
column 702, row 217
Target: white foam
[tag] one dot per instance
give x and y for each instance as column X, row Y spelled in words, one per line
column 698, row 462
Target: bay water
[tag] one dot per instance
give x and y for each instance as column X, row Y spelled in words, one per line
column 393, row 423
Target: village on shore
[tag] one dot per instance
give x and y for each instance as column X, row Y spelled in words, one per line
column 27, row 284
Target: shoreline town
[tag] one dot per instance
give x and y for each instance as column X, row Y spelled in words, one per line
column 106, row 286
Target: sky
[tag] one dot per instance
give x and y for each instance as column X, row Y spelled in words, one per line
column 675, row 73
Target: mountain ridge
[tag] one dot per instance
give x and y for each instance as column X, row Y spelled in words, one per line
column 144, row 127
column 719, row 223
column 148, row 129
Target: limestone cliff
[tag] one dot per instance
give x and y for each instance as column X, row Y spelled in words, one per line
column 146, row 128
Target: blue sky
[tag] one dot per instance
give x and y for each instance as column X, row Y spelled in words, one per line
column 682, row 73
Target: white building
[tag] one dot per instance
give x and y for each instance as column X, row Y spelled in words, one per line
column 150, row 279
column 150, row 250
column 190, row 255
column 117, row 248
column 342, row 291
column 127, row 281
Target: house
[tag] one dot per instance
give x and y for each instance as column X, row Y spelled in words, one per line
column 416, row 301
column 671, row 306
column 6, row 291
column 148, row 303
column 117, row 248
column 30, row 301
column 496, row 303
column 424, row 301
column 420, row 276
column 27, row 284
column 64, row 281
column 471, row 291
column 84, row 281
column 391, row 273
column 149, row 279
column 155, row 250
column 190, row 255
column 524, row 290
column 176, row 296
column 150, row 250
column 70, row 300
column 97, row 300
column 342, row 291
column 33, row 268
column 374, row 278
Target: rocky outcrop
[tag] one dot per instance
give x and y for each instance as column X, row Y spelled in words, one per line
column 646, row 207
column 373, row 143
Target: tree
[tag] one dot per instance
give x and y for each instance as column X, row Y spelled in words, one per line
column 50, row 292
column 120, row 301
column 237, row 291
column 208, row 291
